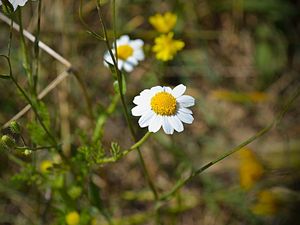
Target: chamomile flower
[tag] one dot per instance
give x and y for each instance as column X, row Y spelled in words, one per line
column 164, row 107
column 129, row 53
column 163, row 23
column 16, row 3
column 166, row 47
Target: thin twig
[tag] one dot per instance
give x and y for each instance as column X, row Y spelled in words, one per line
column 41, row 44
column 41, row 95
column 56, row 56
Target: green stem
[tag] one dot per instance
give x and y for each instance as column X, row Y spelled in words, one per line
column 97, row 36
column 127, row 151
column 26, row 63
column 103, row 117
column 36, row 48
column 51, row 137
column 119, row 79
column 263, row 131
column 36, row 148
column 84, row 91
column 10, row 37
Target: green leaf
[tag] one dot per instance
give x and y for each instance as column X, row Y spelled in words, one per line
column 115, row 150
column 37, row 133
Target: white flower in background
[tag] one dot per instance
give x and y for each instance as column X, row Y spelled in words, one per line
column 129, row 53
column 16, row 3
column 164, row 107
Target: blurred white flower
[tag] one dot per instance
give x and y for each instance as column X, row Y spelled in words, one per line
column 129, row 53
column 16, row 3
column 164, row 107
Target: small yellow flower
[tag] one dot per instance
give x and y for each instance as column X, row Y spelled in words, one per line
column 72, row 218
column 166, row 47
column 267, row 203
column 163, row 23
column 250, row 169
column 45, row 165
column 258, row 96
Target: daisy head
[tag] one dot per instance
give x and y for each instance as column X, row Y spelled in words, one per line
column 129, row 53
column 16, row 3
column 164, row 107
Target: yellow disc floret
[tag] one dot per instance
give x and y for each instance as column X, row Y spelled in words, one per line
column 124, row 51
column 163, row 104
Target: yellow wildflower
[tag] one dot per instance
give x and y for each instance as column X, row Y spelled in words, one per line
column 166, row 47
column 250, row 169
column 72, row 218
column 258, row 96
column 45, row 165
column 267, row 203
column 163, row 23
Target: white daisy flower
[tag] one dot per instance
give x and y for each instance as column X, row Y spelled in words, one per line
column 164, row 107
column 16, row 3
column 129, row 53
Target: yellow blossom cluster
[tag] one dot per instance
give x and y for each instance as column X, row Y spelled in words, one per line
column 165, row 46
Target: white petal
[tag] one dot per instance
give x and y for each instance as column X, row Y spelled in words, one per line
column 168, row 89
column 156, row 89
column 123, row 40
column 127, row 67
column 120, row 64
column 184, row 117
column 146, row 92
column 168, row 129
column 139, row 54
column 137, row 44
column 139, row 110
column 155, row 123
column 142, row 99
column 178, row 90
column 146, row 118
column 133, row 61
column 176, row 123
column 186, row 101
column 107, row 58
column 138, row 100
column 185, row 110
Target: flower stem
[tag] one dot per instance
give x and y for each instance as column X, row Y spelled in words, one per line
column 119, row 79
column 127, row 151
column 260, row 133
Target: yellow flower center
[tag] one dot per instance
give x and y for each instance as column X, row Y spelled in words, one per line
column 124, row 51
column 163, row 104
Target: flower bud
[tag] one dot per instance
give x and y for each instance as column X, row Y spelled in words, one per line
column 15, row 127
column 7, row 141
column 27, row 152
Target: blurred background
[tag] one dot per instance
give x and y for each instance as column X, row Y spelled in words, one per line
column 241, row 62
